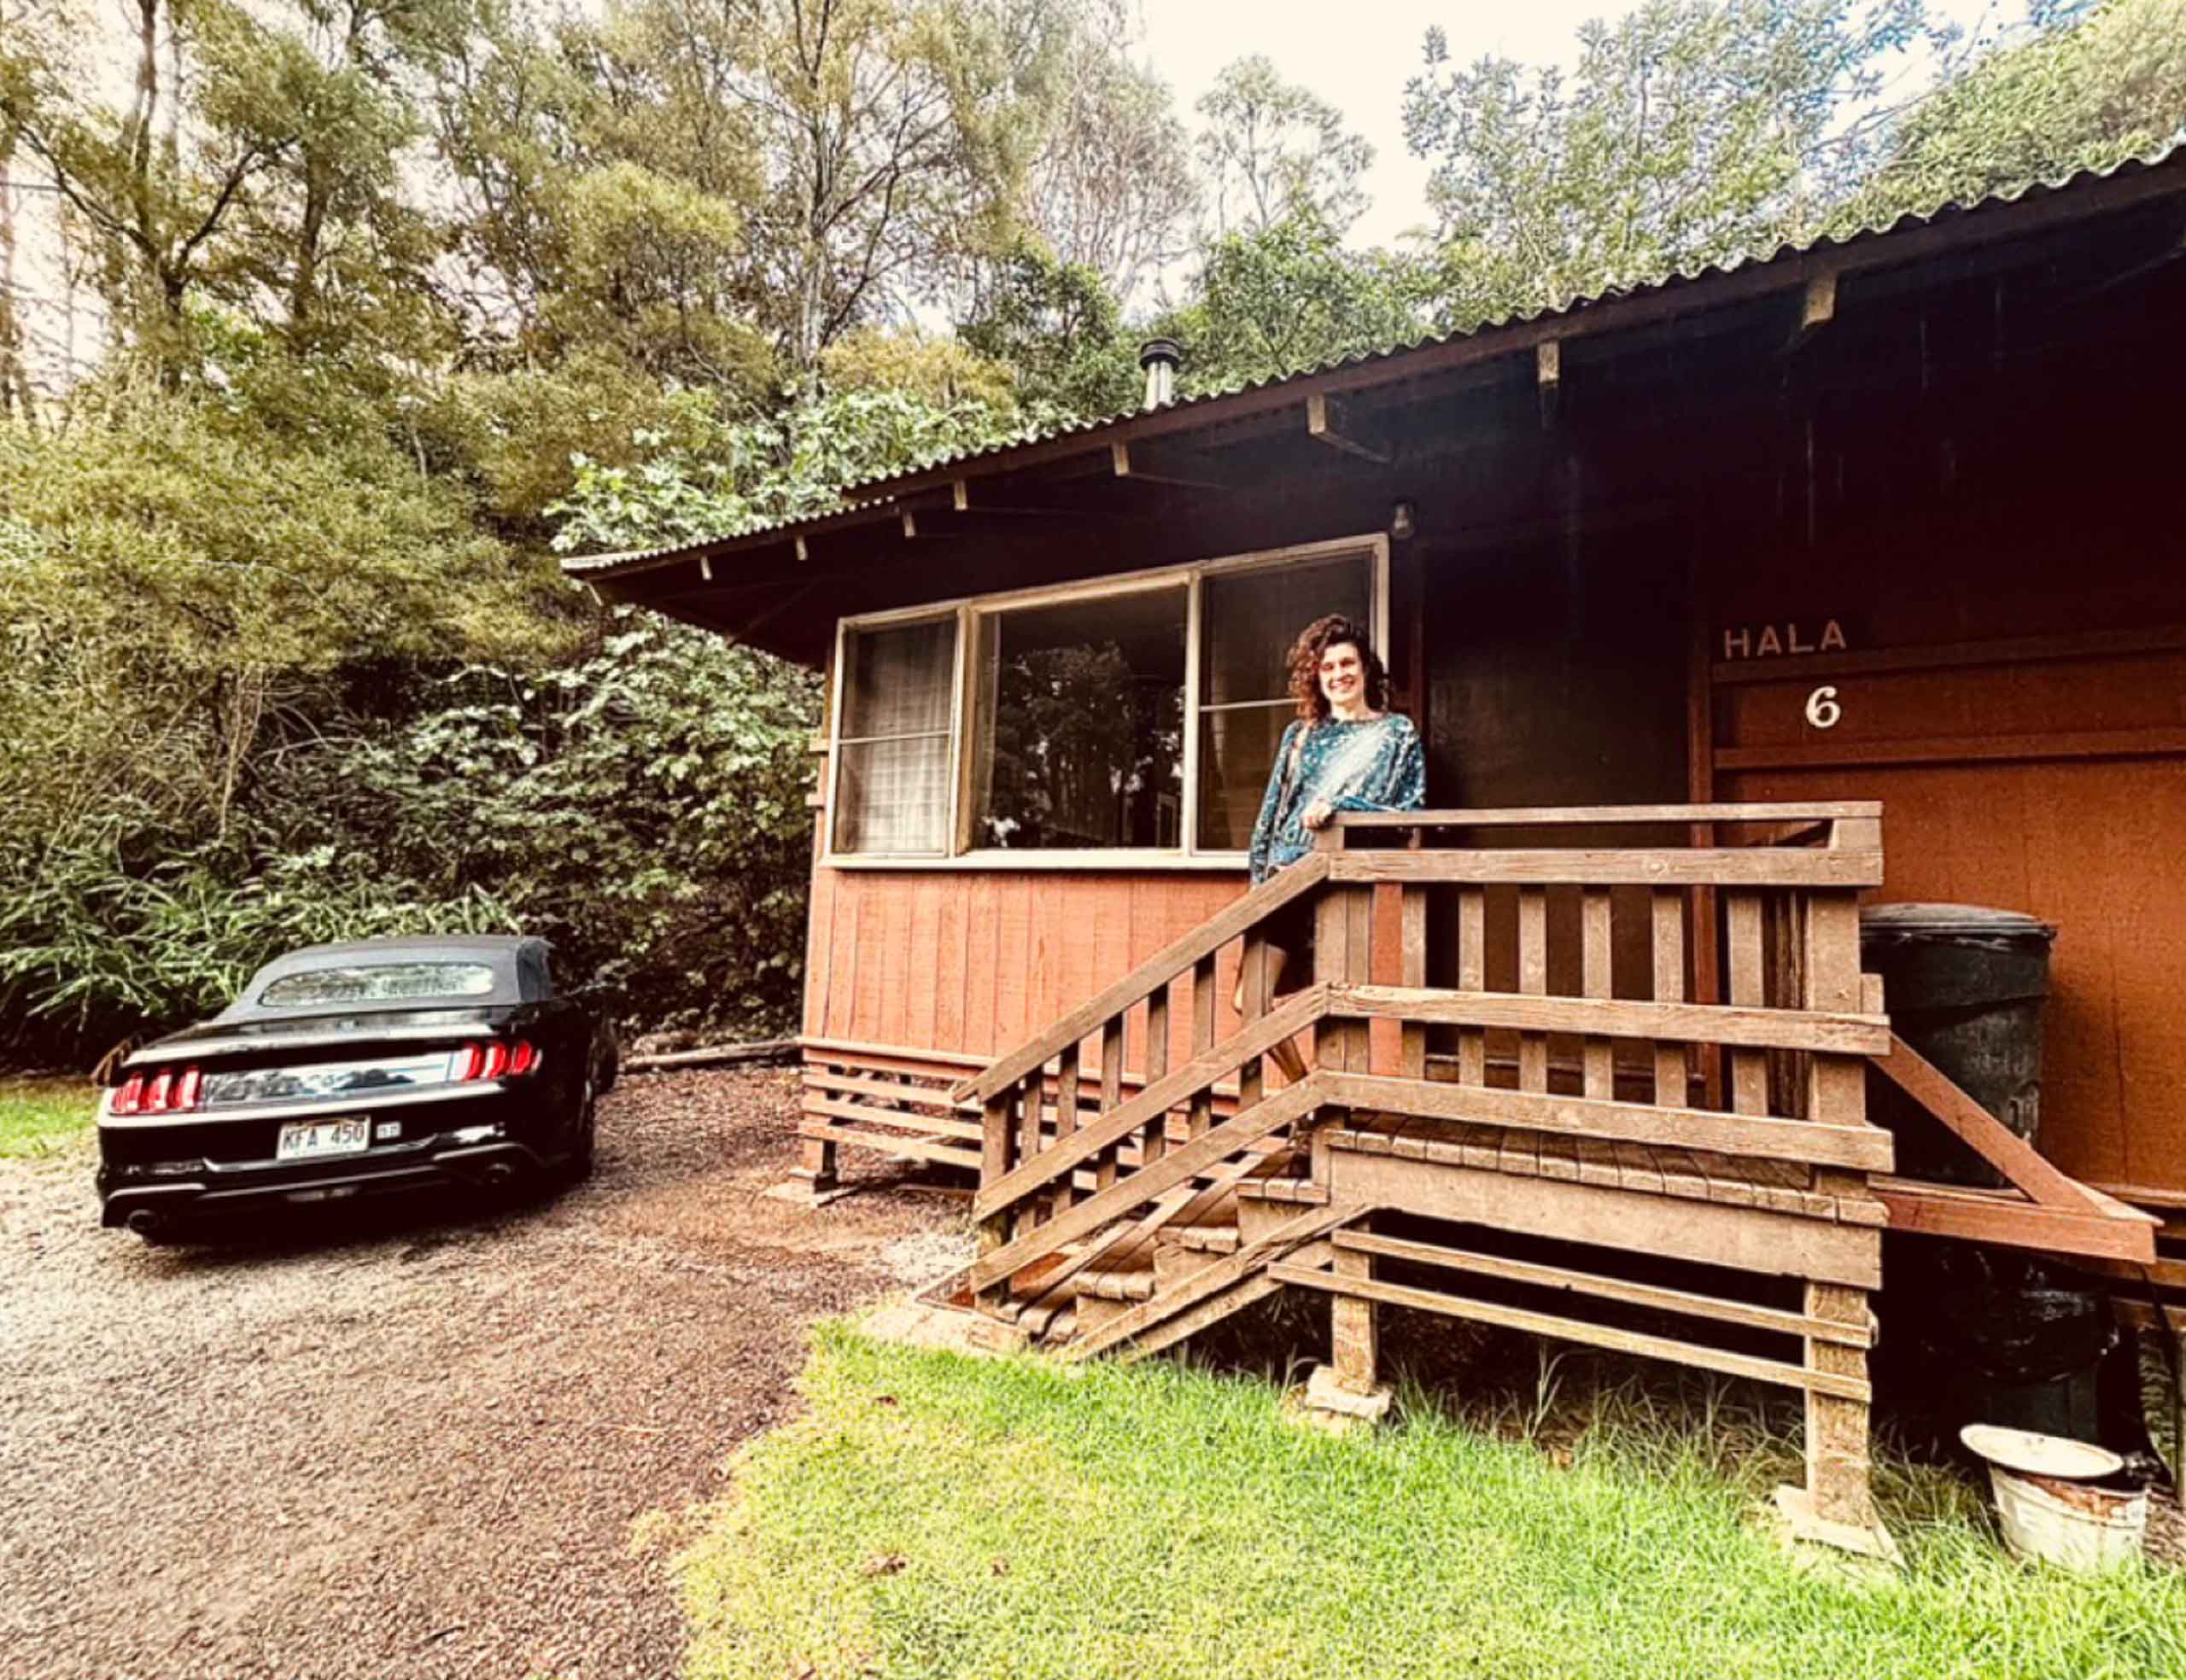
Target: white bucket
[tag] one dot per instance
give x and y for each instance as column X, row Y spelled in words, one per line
column 2071, row 1523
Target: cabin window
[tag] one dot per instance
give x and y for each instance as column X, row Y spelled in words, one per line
column 1247, row 621
column 891, row 789
column 1139, row 714
column 1078, row 732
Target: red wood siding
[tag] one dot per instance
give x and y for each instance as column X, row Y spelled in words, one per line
column 977, row 960
column 2053, row 785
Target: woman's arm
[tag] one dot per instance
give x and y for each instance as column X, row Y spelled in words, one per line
column 1264, row 825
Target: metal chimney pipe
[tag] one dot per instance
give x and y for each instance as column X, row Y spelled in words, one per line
column 1160, row 358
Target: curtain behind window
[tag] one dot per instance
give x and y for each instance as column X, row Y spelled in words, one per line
column 892, row 793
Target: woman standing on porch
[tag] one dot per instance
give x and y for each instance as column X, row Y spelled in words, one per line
column 1346, row 751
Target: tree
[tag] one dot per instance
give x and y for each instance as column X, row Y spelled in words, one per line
column 2092, row 89
column 1290, row 297
column 1694, row 131
column 253, row 139
column 802, row 167
column 181, row 585
column 16, row 397
column 780, row 466
column 1059, row 329
column 1271, row 148
column 1111, row 189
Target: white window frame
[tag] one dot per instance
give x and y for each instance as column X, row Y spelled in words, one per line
column 967, row 610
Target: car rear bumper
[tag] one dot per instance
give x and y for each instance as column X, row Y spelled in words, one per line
column 169, row 1199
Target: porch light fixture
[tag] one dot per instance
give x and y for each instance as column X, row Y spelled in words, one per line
column 1400, row 521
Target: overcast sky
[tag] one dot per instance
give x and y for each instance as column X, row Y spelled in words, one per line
column 1358, row 54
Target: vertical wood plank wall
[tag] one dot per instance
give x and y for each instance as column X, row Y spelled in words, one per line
column 971, row 963
column 975, row 961
column 2056, row 787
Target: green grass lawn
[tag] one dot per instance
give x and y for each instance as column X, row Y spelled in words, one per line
column 38, row 1116
column 938, row 1515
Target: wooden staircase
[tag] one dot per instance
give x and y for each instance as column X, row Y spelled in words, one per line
column 1516, row 1112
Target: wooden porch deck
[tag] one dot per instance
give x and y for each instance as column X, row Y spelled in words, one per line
column 1594, row 1156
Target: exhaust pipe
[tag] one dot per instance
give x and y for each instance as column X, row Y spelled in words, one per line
column 144, row 1222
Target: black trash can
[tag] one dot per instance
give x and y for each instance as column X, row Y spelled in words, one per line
column 1964, row 986
column 1975, row 1333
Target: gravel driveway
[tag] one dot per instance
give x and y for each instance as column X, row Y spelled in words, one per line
column 410, row 1445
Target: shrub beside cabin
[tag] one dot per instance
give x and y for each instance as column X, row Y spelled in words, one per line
column 1890, row 519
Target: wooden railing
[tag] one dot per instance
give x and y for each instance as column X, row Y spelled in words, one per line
column 1470, row 963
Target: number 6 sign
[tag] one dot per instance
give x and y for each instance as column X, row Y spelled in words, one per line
column 1823, row 709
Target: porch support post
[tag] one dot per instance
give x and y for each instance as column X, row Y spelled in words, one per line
column 1351, row 1324
column 1836, row 1505
column 996, row 1138
column 815, row 1165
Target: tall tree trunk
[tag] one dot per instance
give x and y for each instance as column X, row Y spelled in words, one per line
column 14, row 380
column 303, row 286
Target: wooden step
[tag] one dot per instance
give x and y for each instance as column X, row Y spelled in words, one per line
column 1203, row 1239
column 1215, row 1291
column 1290, row 1192
column 1131, row 1285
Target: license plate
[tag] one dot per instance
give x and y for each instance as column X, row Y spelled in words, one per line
column 309, row 1138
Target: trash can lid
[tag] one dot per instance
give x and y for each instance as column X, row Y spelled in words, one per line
column 1963, row 921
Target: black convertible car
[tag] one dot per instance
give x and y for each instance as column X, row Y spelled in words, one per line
column 359, row 1069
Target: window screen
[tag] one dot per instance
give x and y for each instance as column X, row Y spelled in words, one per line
column 891, row 792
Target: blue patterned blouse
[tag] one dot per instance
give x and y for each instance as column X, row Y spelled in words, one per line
column 1372, row 766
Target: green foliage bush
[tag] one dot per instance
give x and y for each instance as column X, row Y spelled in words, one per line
column 261, row 690
column 642, row 806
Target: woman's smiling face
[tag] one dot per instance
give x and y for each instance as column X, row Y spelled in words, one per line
column 1343, row 676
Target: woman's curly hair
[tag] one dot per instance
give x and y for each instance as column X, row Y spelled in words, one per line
column 1311, row 646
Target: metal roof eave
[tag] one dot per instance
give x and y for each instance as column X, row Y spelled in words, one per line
column 1909, row 239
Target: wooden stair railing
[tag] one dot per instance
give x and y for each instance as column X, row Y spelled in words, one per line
column 1037, row 1147
column 2041, row 1207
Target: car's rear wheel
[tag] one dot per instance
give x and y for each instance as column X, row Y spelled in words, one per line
column 578, row 1167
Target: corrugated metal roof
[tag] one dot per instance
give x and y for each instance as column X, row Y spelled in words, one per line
column 2171, row 157
column 579, row 565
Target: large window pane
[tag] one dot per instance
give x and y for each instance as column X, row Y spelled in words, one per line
column 1236, row 749
column 1080, row 739
column 892, row 789
column 1250, row 618
column 893, row 796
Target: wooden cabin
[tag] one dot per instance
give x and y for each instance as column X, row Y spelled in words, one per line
column 1721, row 604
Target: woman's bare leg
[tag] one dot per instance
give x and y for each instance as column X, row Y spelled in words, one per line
column 1285, row 1054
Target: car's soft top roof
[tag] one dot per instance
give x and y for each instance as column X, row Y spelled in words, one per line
column 518, row 962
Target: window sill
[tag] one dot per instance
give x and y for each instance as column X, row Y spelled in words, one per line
column 1026, row 863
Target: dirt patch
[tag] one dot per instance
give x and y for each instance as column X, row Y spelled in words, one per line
column 415, row 1443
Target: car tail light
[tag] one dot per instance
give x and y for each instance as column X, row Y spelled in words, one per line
column 496, row 1059
column 164, row 1091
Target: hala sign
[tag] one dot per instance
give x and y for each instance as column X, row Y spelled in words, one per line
column 1770, row 641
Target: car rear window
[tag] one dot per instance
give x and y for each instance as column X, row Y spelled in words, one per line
column 381, row 983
